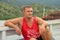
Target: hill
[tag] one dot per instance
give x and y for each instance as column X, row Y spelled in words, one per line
column 20, row 3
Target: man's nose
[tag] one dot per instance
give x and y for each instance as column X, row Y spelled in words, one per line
column 30, row 12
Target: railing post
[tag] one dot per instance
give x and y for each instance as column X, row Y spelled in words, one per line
column 3, row 35
column 0, row 35
column 51, row 27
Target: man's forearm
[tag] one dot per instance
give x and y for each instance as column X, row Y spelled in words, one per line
column 9, row 24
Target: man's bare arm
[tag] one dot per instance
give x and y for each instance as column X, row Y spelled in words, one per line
column 42, row 22
column 12, row 22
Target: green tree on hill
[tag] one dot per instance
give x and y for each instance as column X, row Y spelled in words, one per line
column 7, row 11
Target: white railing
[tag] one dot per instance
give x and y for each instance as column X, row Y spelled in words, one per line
column 55, row 28
column 7, row 33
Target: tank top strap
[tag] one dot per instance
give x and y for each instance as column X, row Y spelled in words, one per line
column 34, row 19
column 24, row 20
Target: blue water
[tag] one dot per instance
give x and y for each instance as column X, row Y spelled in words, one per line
column 2, row 23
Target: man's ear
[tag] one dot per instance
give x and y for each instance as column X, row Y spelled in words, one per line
column 23, row 11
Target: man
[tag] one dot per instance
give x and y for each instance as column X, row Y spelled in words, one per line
column 32, row 28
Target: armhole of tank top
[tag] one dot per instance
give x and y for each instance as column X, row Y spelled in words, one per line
column 35, row 18
column 22, row 23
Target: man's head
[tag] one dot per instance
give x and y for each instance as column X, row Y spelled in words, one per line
column 28, row 11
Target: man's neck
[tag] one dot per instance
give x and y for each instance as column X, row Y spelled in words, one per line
column 28, row 18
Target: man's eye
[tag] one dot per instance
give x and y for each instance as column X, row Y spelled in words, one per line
column 29, row 11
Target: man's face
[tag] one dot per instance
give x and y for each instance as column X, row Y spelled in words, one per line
column 28, row 12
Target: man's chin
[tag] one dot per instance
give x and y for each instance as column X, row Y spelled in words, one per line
column 29, row 16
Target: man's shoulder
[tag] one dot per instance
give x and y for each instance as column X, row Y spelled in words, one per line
column 19, row 18
column 37, row 17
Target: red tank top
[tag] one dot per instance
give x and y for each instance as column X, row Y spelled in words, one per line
column 28, row 32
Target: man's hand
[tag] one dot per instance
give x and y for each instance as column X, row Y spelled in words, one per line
column 18, row 30
column 33, row 39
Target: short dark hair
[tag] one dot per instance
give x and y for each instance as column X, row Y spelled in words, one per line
column 27, row 7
